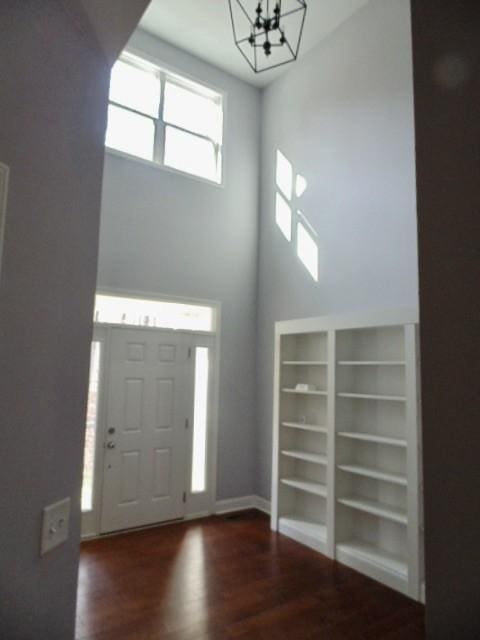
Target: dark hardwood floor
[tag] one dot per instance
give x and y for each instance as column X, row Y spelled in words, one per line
column 230, row 578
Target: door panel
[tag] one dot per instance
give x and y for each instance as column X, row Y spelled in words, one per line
column 149, row 400
column 166, row 353
column 130, row 477
column 165, row 403
column 161, row 474
column 133, row 412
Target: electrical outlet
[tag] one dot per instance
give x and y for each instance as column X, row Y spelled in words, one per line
column 56, row 519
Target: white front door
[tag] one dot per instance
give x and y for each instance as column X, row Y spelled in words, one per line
column 149, row 408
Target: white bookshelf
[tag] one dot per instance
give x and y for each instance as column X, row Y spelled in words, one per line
column 370, row 437
column 316, row 458
column 305, row 427
column 308, row 486
column 376, row 474
column 371, row 396
column 371, row 363
column 395, row 514
column 305, row 363
column 345, row 446
column 302, row 438
column 308, row 392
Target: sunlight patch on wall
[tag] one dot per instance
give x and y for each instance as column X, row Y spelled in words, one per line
column 284, row 175
column 295, row 225
column 283, row 217
column 307, row 250
column 300, row 186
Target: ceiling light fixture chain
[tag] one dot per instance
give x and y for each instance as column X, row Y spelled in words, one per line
column 274, row 26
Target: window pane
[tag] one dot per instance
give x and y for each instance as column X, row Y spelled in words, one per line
column 199, row 449
column 135, row 88
column 307, row 250
column 284, row 175
column 192, row 111
column 283, row 217
column 190, row 153
column 91, row 429
column 153, row 313
column 130, row 132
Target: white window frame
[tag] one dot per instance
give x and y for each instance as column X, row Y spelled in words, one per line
column 128, row 295
column 181, row 79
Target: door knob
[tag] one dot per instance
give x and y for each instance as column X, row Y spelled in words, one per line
column 110, row 445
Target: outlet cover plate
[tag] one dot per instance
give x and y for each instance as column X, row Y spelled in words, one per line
column 55, row 525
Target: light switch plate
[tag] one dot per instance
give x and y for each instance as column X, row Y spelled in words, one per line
column 4, row 172
column 55, row 525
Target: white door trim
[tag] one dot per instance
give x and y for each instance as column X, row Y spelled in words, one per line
column 196, row 505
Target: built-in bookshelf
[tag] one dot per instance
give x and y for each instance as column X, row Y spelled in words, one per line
column 345, row 460
column 302, row 460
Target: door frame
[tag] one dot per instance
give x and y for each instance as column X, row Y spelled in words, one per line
column 197, row 505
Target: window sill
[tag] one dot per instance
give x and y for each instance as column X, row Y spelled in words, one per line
column 162, row 167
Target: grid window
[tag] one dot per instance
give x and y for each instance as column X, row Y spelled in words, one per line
column 141, row 312
column 130, row 132
column 166, row 119
column 190, row 153
column 135, row 87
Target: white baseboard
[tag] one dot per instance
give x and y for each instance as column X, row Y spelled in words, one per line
column 242, row 504
column 262, row 504
column 234, row 504
column 197, row 516
column 221, row 507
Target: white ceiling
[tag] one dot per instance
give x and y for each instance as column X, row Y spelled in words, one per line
column 203, row 28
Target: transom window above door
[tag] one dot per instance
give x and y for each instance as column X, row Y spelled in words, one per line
column 142, row 312
column 165, row 118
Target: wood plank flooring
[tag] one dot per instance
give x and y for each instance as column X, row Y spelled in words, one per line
column 230, row 579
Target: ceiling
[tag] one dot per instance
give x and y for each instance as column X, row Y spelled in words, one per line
column 203, row 28
column 113, row 22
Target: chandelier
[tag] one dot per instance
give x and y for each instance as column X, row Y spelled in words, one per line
column 268, row 32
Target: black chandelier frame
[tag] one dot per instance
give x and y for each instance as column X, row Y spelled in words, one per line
column 262, row 27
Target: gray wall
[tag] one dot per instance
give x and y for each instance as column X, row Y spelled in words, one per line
column 446, row 38
column 54, row 83
column 167, row 233
column 343, row 115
